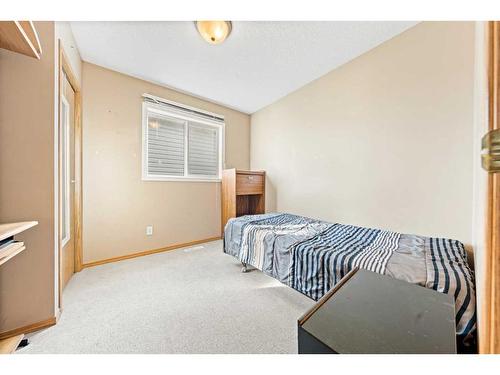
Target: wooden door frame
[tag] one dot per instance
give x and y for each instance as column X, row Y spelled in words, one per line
column 65, row 69
column 489, row 340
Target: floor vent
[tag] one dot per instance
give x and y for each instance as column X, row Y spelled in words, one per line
column 189, row 249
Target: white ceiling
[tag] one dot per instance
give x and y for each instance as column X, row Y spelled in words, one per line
column 259, row 63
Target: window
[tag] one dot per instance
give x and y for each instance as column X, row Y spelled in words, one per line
column 65, row 172
column 180, row 143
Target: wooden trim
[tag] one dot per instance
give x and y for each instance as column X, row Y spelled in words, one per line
column 495, row 268
column 489, row 342
column 29, row 328
column 149, row 252
column 494, row 197
column 59, row 189
column 65, row 68
column 79, row 182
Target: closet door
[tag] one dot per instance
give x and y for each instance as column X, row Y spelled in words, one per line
column 67, row 180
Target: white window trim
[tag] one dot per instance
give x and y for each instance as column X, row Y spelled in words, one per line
column 179, row 115
column 67, row 197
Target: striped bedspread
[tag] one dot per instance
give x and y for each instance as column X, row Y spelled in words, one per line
column 311, row 256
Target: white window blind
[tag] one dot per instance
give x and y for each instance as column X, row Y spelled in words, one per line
column 180, row 142
column 165, row 146
column 203, row 149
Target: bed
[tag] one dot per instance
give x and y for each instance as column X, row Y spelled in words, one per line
column 311, row 256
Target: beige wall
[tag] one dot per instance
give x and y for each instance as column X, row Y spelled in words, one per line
column 383, row 141
column 117, row 204
column 27, row 181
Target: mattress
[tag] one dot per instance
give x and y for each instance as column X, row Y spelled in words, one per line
column 311, row 256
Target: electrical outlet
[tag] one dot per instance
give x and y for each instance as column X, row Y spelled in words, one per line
column 149, row 230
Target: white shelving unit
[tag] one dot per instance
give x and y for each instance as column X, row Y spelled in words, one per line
column 9, row 345
column 20, row 37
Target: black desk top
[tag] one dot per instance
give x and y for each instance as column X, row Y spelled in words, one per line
column 372, row 313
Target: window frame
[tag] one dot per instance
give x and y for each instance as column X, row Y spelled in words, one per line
column 177, row 115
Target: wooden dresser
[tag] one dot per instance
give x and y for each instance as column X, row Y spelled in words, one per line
column 243, row 193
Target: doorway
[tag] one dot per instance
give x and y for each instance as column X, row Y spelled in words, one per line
column 70, row 171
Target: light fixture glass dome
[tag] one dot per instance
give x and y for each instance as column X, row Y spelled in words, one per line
column 214, row 32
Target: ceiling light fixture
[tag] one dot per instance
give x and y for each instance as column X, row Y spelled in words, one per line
column 214, row 32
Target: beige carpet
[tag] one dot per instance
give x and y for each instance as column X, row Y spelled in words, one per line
column 191, row 300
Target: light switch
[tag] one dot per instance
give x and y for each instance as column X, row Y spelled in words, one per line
column 149, row 230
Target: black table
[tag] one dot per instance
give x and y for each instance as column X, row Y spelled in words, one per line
column 371, row 313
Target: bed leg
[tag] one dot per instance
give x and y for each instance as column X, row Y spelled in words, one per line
column 244, row 269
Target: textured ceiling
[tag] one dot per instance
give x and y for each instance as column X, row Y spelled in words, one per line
column 259, row 63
